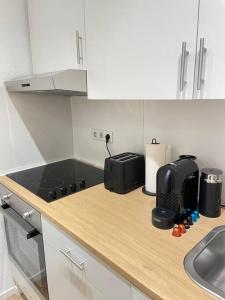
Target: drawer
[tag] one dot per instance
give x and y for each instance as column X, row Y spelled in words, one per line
column 111, row 285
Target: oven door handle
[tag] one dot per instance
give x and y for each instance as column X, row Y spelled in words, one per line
column 31, row 233
column 5, row 206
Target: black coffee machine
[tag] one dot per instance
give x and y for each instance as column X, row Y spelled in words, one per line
column 177, row 190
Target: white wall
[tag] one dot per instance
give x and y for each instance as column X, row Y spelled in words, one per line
column 191, row 127
column 14, row 49
column 33, row 129
column 124, row 118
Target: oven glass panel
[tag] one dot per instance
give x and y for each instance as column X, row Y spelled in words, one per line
column 26, row 253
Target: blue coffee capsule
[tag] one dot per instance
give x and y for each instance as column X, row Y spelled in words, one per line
column 194, row 218
column 197, row 214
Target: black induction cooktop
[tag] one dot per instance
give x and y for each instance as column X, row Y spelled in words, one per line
column 56, row 180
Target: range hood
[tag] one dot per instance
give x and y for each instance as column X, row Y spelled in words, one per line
column 67, row 82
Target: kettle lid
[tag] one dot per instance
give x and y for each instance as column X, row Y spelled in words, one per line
column 187, row 156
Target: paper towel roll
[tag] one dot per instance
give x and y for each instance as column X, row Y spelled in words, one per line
column 157, row 155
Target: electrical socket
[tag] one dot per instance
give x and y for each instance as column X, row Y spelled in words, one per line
column 99, row 135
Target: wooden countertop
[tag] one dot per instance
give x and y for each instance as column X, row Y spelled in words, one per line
column 118, row 229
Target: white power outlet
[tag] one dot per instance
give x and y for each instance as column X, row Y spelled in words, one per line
column 99, row 135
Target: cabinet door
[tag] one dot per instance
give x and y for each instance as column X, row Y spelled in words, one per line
column 210, row 67
column 64, row 280
column 134, row 48
column 54, row 25
column 95, row 282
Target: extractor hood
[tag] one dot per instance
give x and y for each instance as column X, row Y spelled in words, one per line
column 67, row 82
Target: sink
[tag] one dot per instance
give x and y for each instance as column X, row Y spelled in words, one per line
column 205, row 263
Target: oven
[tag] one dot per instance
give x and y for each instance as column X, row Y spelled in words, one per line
column 25, row 246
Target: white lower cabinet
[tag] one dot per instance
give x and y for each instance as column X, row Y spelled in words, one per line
column 74, row 273
column 137, row 295
column 64, row 281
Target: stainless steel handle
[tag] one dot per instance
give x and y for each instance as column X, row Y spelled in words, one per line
column 78, row 263
column 202, row 51
column 9, row 213
column 34, row 232
column 184, row 56
column 79, row 48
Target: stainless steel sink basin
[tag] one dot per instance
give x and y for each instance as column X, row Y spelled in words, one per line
column 205, row 263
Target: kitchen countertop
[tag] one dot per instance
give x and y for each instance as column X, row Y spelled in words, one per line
column 118, row 229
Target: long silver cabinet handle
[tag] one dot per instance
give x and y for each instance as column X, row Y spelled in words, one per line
column 202, row 51
column 184, row 55
column 79, row 45
column 80, row 264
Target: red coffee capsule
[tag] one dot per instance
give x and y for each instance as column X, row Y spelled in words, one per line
column 176, row 231
column 182, row 228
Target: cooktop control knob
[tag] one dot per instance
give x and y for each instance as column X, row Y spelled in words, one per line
column 82, row 184
column 52, row 194
column 73, row 187
column 27, row 214
column 63, row 190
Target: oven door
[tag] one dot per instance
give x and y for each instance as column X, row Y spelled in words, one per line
column 26, row 249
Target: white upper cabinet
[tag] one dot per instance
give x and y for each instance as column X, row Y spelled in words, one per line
column 15, row 56
column 57, row 34
column 141, row 49
column 210, row 66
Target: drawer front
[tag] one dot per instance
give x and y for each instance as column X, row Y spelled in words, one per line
column 97, row 274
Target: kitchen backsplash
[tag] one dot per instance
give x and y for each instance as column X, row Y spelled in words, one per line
column 124, row 118
column 191, row 127
column 34, row 130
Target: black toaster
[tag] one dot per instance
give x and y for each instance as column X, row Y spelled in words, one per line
column 124, row 172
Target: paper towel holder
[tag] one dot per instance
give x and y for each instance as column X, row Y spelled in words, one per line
column 147, row 192
column 154, row 142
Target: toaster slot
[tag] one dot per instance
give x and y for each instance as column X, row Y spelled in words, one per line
column 119, row 156
column 126, row 158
